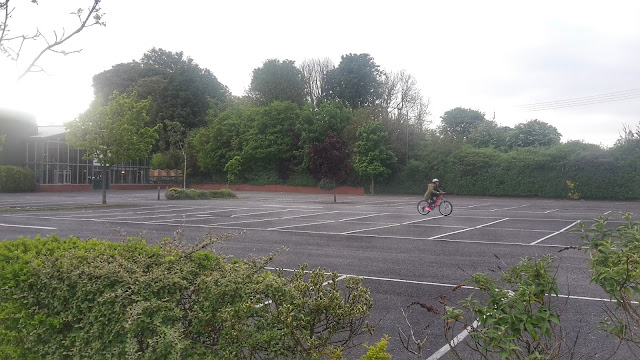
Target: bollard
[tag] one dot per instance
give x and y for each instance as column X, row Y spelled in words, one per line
column 158, row 192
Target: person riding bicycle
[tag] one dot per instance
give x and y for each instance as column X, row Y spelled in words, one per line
column 433, row 191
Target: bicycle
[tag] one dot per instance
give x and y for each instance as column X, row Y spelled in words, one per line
column 444, row 206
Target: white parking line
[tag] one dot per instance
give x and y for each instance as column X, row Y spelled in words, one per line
column 513, row 207
column 546, row 212
column 467, row 229
column 30, row 227
column 390, row 225
column 306, row 224
column 455, row 341
column 261, row 212
column 470, row 206
column 555, row 233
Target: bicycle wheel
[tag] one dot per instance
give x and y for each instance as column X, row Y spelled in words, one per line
column 422, row 207
column 446, row 208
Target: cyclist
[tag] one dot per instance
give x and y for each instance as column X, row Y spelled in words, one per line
column 433, row 191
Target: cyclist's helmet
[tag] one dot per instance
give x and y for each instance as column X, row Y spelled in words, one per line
column 435, row 180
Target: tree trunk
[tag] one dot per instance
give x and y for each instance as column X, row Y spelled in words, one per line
column 104, row 172
column 334, row 192
column 184, row 173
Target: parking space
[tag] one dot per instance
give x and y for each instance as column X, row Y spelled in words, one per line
column 403, row 256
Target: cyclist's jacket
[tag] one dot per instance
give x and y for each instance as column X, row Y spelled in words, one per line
column 432, row 190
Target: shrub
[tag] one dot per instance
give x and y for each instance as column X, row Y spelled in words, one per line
column 516, row 320
column 68, row 298
column 163, row 161
column 615, row 266
column 193, row 194
column 16, row 179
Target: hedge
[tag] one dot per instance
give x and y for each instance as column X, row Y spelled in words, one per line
column 16, row 179
column 596, row 173
column 69, row 298
column 192, row 194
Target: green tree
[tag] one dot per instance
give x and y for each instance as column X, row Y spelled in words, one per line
column 181, row 91
column 12, row 44
column 233, row 168
column 224, row 138
column 490, row 134
column 113, row 133
column 459, row 122
column 315, row 123
column 329, row 161
column 272, row 142
column 356, row 81
column 277, row 80
column 372, row 159
column 535, row 133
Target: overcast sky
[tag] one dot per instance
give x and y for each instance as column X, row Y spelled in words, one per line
column 572, row 64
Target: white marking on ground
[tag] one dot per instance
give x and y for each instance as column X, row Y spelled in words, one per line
column 509, row 208
column 470, row 206
column 30, row 227
column 555, row 233
column 467, row 229
column 546, row 212
column 455, row 341
column 364, row 216
column 306, row 224
column 261, row 212
column 390, row 225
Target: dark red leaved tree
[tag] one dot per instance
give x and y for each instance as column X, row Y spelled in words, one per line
column 330, row 162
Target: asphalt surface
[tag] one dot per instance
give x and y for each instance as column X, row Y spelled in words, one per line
column 404, row 257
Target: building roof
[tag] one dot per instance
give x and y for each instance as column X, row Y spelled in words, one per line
column 50, row 130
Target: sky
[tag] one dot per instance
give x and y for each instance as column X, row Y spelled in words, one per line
column 572, row 64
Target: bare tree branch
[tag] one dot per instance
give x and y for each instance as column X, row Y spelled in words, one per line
column 92, row 17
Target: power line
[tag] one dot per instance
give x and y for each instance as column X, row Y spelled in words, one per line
column 582, row 101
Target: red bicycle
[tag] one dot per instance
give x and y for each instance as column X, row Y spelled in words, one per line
column 444, row 206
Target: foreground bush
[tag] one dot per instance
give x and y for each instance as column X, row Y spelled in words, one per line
column 192, row 194
column 615, row 266
column 517, row 319
column 68, row 298
column 16, row 179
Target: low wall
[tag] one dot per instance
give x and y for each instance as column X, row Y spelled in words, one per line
column 63, row 187
column 343, row 190
column 89, row 187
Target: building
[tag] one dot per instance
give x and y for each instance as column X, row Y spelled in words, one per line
column 53, row 161
column 44, row 150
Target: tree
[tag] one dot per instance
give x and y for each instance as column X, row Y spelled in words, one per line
column 490, row 134
column 314, row 73
column 272, row 142
column 458, row 123
column 329, row 161
column 233, row 168
column 356, row 81
column 178, row 137
column 180, row 89
column 372, row 158
column 535, row 133
column 277, row 81
column 406, row 112
column 113, row 133
column 224, row 138
column 13, row 45
column 315, row 123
